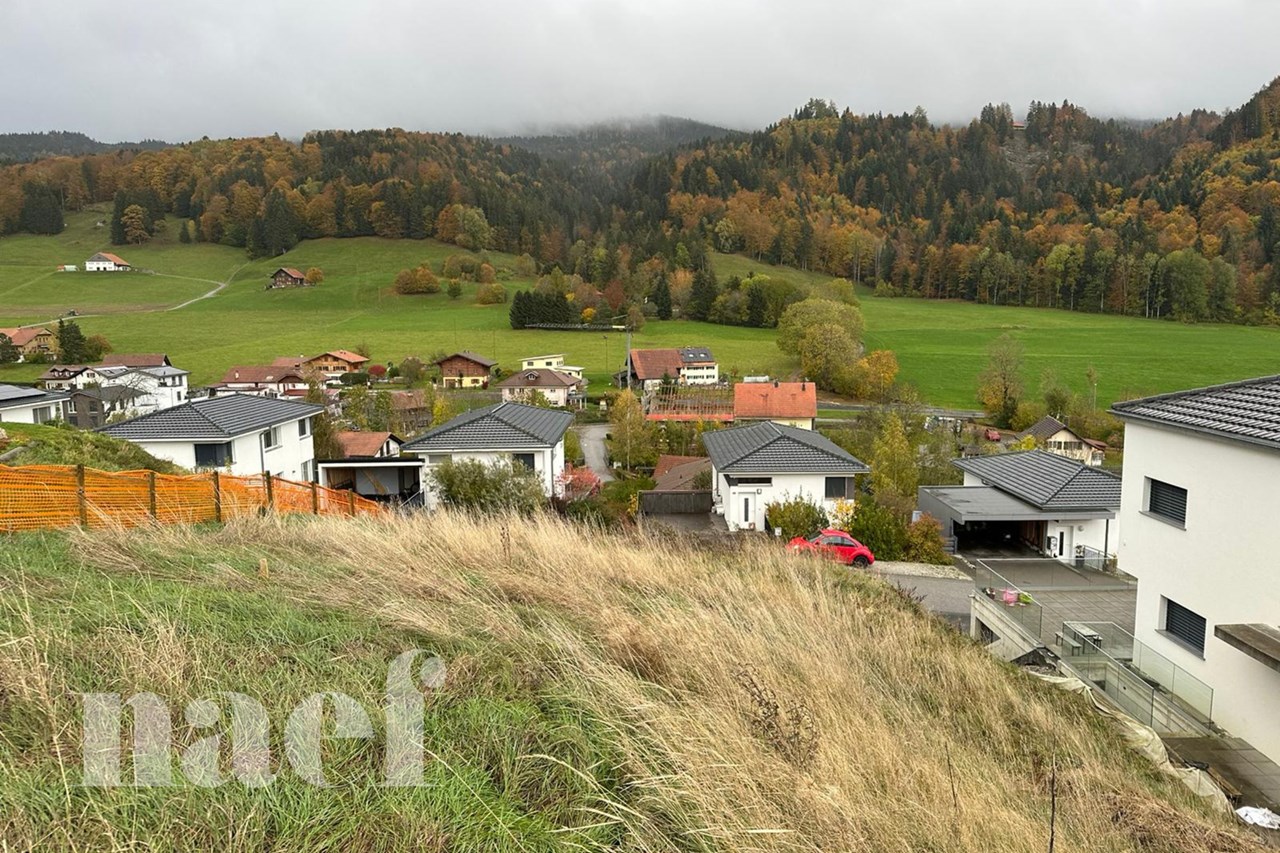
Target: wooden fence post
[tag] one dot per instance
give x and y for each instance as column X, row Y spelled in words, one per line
column 217, row 497
column 82, row 499
column 271, row 495
column 351, row 502
column 151, row 493
column 315, row 500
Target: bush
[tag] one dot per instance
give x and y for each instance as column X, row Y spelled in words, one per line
column 491, row 294
column 879, row 528
column 796, row 517
column 496, row 487
column 455, row 288
column 924, row 542
column 356, row 378
column 573, row 448
column 417, row 281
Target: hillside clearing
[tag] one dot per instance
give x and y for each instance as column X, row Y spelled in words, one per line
column 601, row 693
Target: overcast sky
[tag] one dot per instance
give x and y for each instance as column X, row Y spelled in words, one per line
column 128, row 69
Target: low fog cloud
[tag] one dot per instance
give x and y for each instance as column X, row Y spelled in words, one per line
column 244, row 67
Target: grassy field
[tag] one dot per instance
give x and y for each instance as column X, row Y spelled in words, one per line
column 940, row 345
column 600, row 693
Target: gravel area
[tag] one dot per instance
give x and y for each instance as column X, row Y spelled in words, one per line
column 919, row 570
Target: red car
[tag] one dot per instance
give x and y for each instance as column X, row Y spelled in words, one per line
column 837, row 545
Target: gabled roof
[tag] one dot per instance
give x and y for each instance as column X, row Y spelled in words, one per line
column 677, row 473
column 262, row 374
column 769, row 448
column 107, row 256
column 108, row 393
column 695, row 355
column 63, row 371
column 362, row 444
column 469, row 356
column 342, row 355
column 502, row 426
column 775, row 400
column 1046, row 480
column 1046, row 428
column 1247, row 411
column 289, row 361
column 649, row 364
column 212, row 419
column 138, row 359
column 21, row 337
column 289, row 271
column 540, row 377
column 13, row 396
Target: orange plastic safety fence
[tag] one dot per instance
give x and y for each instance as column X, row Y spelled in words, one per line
column 38, row 497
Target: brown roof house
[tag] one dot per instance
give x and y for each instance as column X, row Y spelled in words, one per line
column 680, row 473
column 558, row 389
column 465, row 369
column 287, row 277
column 368, row 445
column 262, row 380
column 137, row 359
column 1058, row 438
column 33, row 341
column 684, row 366
column 336, row 362
column 785, row 403
column 106, row 262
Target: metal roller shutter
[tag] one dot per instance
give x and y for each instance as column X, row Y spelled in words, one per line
column 1168, row 501
column 1186, row 625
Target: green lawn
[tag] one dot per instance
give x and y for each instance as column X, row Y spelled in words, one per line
column 940, row 345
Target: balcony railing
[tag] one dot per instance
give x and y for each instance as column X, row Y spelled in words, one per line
column 1021, row 607
column 1136, row 671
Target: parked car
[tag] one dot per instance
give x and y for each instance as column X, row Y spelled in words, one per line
column 992, row 435
column 837, row 545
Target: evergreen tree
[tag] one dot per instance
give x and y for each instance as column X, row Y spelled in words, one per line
column 662, row 297
column 757, row 306
column 9, row 353
column 72, row 347
column 703, row 295
column 184, row 232
column 41, row 209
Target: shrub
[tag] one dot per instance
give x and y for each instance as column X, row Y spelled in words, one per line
column 356, row 378
column 924, row 541
column 377, row 371
column 495, row 487
column 879, row 528
column 573, row 448
column 491, row 294
column 486, row 274
column 417, row 281
column 455, row 288
column 796, row 516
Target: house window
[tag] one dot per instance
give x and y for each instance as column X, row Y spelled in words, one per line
column 213, row 455
column 1167, row 501
column 746, row 510
column 271, row 439
column 751, row 481
column 437, row 458
column 1184, row 625
column 525, row 459
column 306, row 471
column 304, row 427
column 42, row 414
column 838, row 487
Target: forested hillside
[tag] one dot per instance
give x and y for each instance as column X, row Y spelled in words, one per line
column 1174, row 219
column 25, row 147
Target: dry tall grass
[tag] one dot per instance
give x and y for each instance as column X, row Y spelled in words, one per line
column 757, row 701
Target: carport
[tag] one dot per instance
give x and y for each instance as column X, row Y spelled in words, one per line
column 393, row 479
column 984, row 517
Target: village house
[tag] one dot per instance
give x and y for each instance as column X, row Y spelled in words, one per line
column 786, row 403
column 558, row 389
column 357, row 444
column 674, row 473
column 32, row 341
column 649, row 368
column 1200, row 474
column 554, row 362
column 1056, row 437
column 1031, row 500
column 106, row 262
column 371, row 466
column 763, row 463
column 30, row 405
column 465, row 370
column 239, row 433
column 92, row 407
column 159, row 384
column 263, row 380
column 505, row 432
column 287, row 277
column 336, row 362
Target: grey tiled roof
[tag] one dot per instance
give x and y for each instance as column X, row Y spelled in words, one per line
column 214, row 419
column 1046, row 480
column 502, row 426
column 1045, row 428
column 12, row 396
column 769, row 448
column 1246, row 411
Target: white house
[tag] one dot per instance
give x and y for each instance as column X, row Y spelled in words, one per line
column 649, row 368
column 106, row 262
column 159, row 384
column 754, row 466
column 559, row 389
column 529, row 435
column 1201, row 470
column 554, row 361
column 1051, row 504
column 30, row 405
column 238, row 433
column 263, row 380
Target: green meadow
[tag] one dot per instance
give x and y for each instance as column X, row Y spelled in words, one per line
column 940, row 345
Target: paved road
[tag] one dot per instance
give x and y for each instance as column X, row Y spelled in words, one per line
column 945, row 597
column 591, row 436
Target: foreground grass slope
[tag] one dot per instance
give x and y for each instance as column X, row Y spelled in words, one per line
column 60, row 444
column 601, row 693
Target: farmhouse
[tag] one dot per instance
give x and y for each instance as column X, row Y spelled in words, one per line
column 559, row 389
column 106, row 262
column 786, row 403
column 1198, row 504
column 261, row 380
column 287, row 277
column 756, row 465
column 336, row 362
column 527, row 435
column 30, row 405
column 1029, row 500
column 31, row 341
column 237, row 432
column 465, row 369
column 649, row 368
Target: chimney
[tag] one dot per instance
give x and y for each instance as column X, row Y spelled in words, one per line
column 802, row 387
column 237, row 375
column 775, row 383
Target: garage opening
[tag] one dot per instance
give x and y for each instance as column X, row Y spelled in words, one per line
column 1000, row 538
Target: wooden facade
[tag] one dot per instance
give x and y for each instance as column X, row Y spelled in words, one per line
column 287, row 277
column 465, row 370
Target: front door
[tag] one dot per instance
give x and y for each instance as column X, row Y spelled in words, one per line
column 748, row 511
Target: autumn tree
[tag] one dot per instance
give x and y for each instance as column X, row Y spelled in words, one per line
column 314, row 275
column 894, row 476
column 632, row 439
column 1000, row 383
column 827, row 355
column 875, row 375
column 796, row 319
column 134, row 222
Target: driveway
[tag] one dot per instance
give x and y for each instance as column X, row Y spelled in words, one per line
column 591, row 437
column 944, row 597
